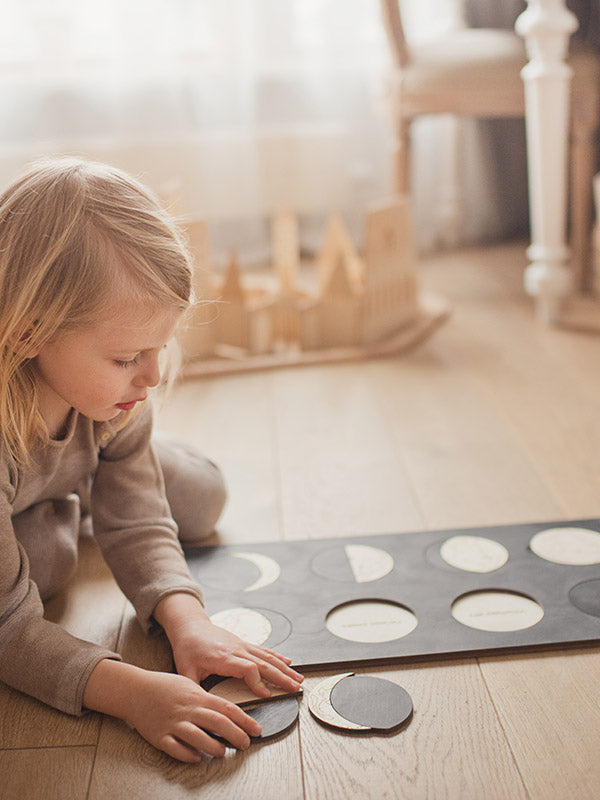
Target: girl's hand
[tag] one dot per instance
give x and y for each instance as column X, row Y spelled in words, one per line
column 177, row 716
column 170, row 711
column 201, row 649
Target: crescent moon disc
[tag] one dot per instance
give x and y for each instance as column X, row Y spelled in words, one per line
column 319, row 704
column 269, row 570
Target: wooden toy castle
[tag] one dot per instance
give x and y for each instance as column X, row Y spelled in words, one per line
column 359, row 306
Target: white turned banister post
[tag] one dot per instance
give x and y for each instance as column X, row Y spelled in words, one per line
column 547, row 26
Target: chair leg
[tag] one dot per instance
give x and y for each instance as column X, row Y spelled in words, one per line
column 583, row 167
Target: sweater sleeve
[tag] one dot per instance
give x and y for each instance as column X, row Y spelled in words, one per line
column 133, row 523
column 37, row 657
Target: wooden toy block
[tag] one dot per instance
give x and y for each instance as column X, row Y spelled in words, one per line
column 364, row 305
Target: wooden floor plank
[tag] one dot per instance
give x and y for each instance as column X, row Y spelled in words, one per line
column 548, row 398
column 46, row 774
column 340, row 472
column 544, row 384
column 549, row 707
column 452, row 749
column 462, row 457
column 126, row 766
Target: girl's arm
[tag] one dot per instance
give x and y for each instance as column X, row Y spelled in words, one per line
column 173, row 712
column 170, row 711
column 201, row 648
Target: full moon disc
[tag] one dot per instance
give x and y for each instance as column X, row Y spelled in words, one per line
column 574, row 546
column 474, row 553
column 376, row 703
column 249, row 625
column 496, row 611
column 370, row 621
column 253, row 625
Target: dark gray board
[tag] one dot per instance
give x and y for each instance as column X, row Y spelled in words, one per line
column 298, row 602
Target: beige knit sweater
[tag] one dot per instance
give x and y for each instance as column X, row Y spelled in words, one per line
column 39, row 529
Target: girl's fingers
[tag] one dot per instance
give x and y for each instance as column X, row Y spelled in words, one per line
column 270, row 662
column 277, row 678
column 200, row 735
column 254, row 671
column 176, row 749
column 285, row 659
column 230, row 719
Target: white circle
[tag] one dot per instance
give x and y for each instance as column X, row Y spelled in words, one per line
column 574, row 546
column 474, row 553
column 370, row 621
column 249, row 625
column 494, row 610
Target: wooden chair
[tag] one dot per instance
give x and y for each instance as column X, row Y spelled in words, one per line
column 475, row 72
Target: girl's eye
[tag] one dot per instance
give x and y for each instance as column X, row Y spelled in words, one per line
column 130, row 363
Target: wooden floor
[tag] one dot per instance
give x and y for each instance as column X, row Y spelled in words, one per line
column 493, row 420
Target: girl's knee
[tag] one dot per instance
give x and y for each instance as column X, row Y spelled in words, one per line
column 195, row 489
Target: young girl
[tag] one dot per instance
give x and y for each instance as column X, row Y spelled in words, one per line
column 93, row 282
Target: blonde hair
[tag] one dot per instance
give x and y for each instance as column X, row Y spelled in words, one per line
column 72, row 232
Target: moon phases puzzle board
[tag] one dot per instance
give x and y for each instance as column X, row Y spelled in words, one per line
column 388, row 597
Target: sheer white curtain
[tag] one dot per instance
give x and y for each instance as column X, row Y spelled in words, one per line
column 237, row 108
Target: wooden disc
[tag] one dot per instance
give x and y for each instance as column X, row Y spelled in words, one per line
column 237, row 691
column 276, row 718
column 248, row 624
column 222, row 571
column 319, row 705
column 376, row 703
column 355, row 563
column 474, row 553
column 255, row 625
column 574, row 546
column 495, row 610
column 370, row 621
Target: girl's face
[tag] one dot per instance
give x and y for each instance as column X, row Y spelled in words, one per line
column 103, row 369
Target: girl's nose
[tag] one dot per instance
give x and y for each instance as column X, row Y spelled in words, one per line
column 149, row 375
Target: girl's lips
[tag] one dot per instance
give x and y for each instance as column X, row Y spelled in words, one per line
column 130, row 405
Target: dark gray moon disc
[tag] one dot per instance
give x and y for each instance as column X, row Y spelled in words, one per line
column 276, row 717
column 586, row 597
column 376, row 703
